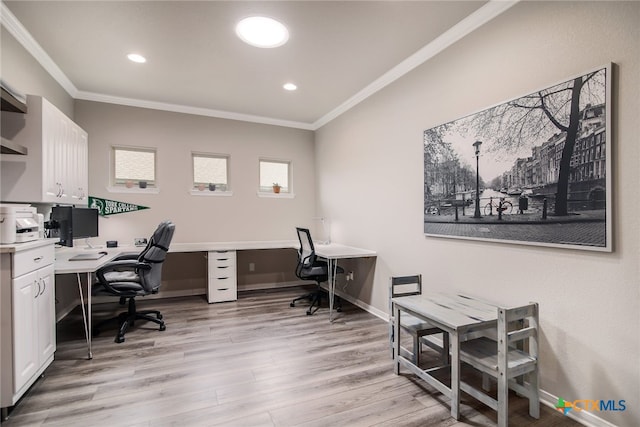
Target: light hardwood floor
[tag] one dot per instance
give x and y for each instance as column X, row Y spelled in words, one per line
column 253, row 362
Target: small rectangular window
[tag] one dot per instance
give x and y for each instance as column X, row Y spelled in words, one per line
column 210, row 172
column 275, row 173
column 134, row 166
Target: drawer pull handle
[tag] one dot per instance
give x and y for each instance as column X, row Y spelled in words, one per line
column 223, row 289
column 38, row 259
column 223, row 259
column 222, row 278
column 223, row 266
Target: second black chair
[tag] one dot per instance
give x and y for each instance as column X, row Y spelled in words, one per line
column 311, row 268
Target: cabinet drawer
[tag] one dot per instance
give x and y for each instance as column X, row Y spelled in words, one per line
column 223, row 289
column 32, row 259
column 223, row 271
column 222, row 259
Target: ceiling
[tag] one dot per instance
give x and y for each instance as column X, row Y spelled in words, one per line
column 338, row 53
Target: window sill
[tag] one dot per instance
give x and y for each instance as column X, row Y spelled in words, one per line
column 207, row 193
column 276, row 195
column 134, row 190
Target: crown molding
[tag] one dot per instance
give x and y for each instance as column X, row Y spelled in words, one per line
column 17, row 30
column 154, row 105
column 492, row 9
column 469, row 24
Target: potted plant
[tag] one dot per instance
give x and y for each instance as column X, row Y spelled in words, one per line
column 201, row 186
column 276, row 187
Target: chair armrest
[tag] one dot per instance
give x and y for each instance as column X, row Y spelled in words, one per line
column 132, row 265
column 127, row 256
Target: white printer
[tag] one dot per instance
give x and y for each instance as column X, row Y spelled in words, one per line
column 20, row 223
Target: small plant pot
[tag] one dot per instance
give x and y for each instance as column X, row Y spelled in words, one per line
column 142, row 184
column 276, row 189
column 201, row 187
column 212, row 187
column 128, row 184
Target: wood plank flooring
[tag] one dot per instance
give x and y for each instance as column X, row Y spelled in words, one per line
column 252, row 362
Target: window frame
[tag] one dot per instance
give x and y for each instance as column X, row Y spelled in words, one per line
column 268, row 191
column 195, row 191
column 117, row 185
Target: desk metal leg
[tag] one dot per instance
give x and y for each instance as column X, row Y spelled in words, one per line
column 86, row 319
column 332, row 265
column 455, row 374
column 332, row 286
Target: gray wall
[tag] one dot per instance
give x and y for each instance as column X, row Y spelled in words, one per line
column 589, row 302
column 19, row 69
column 243, row 216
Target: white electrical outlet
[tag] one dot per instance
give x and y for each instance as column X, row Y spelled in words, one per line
column 252, row 266
column 140, row 241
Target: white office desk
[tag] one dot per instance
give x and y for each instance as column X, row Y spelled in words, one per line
column 89, row 267
column 331, row 252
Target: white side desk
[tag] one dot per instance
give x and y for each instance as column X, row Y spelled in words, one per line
column 332, row 253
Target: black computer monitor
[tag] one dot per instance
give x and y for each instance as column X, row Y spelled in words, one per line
column 84, row 223
column 74, row 223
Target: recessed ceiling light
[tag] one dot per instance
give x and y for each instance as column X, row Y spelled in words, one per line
column 290, row 86
column 137, row 58
column 260, row 31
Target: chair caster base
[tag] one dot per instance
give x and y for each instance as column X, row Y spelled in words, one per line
column 292, row 304
column 163, row 328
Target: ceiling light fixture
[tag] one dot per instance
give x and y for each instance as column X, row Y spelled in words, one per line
column 290, row 86
column 260, row 31
column 137, row 58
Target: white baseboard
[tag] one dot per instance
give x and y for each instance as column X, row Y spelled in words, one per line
column 586, row 418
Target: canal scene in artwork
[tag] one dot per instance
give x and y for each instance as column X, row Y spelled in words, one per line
column 533, row 170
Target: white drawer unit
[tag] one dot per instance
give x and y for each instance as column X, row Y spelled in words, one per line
column 222, row 280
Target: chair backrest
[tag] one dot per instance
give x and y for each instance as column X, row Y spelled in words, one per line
column 154, row 255
column 307, row 252
column 400, row 286
column 518, row 329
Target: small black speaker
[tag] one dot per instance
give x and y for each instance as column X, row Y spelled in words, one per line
column 112, row 243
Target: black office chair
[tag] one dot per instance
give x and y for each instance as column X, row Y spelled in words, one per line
column 132, row 275
column 310, row 268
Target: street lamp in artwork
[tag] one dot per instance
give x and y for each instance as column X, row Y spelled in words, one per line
column 476, row 146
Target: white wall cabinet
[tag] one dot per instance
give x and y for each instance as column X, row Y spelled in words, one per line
column 223, row 276
column 28, row 319
column 56, row 167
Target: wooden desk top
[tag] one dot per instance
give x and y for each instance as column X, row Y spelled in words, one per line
column 450, row 310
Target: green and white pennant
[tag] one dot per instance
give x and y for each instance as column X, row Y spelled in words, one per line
column 108, row 207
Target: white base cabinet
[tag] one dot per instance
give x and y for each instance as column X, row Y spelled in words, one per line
column 28, row 320
column 222, row 272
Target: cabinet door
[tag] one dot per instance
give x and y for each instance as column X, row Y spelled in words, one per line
column 51, row 188
column 59, row 167
column 46, row 315
column 25, row 335
column 79, row 164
